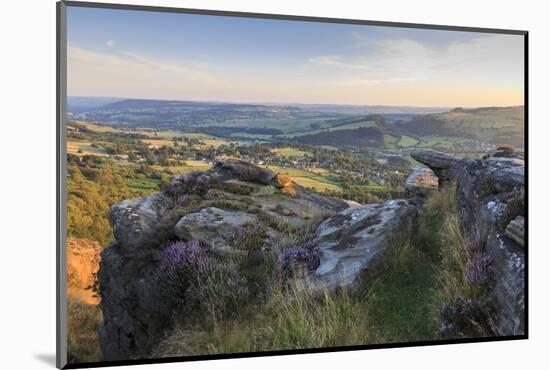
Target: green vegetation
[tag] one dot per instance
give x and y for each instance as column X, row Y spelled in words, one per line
column 443, row 142
column 107, row 165
column 407, row 141
column 462, row 269
column 142, row 184
column 390, row 141
column 469, row 128
column 483, row 118
column 402, row 305
column 94, row 185
column 366, row 123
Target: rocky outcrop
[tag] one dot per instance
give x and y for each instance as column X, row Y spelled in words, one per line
column 83, row 258
column 247, row 172
column 132, row 321
column 145, row 222
column 354, row 242
column 444, row 165
column 213, row 227
column 515, row 231
column 490, row 194
column 224, row 209
column 421, row 182
column 209, row 207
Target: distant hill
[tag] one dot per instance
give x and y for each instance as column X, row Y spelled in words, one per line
column 495, row 125
column 370, row 109
column 173, row 114
column 360, row 137
column 142, row 104
column 455, row 129
column 86, row 103
column 165, row 114
column 372, row 126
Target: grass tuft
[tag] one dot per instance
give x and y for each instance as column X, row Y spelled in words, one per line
column 83, row 338
column 299, row 319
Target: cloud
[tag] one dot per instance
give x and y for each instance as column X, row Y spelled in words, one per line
column 110, row 43
column 482, row 71
column 134, row 75
column 493, row 58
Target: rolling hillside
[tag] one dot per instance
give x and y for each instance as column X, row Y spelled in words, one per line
column 360, row 137
column 458, row 129
column 495, row 125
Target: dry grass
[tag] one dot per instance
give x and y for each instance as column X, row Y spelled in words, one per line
column 451, row 272
column 157, row 143
column 82, row 338
column 319, row 171
column 98, row 128
column 301, row 320
column 82, row 148
column 313, row 183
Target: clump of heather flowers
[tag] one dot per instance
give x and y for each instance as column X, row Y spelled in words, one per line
column 479, row 270
column 182, row 200
column 179, row 263
column 220, row 291
column 469, row 313
column 299, row 260
column 464, row 318
column 190, row 279
column 249, row 237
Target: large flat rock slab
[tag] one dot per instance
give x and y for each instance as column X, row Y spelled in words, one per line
column 355, row 241
column 213, row 226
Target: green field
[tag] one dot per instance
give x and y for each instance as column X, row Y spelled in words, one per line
column 289, row 152
column 326, row 181
column 142, row 184
column 442, row 141
column 390, row 141
column 190, row 165
column 407, row 141
column 84, row 147
column 372, row 187
column 354, row 125
column 494, row 118
column 288, row 126
column 245, row 135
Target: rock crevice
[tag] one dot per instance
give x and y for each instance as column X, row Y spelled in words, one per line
column 490, row 194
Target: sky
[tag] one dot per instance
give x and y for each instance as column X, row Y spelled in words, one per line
column 138, row 54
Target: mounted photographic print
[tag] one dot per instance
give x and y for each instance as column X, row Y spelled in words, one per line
column 236, row 184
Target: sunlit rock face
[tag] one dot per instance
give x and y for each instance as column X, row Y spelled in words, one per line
column 83, row 258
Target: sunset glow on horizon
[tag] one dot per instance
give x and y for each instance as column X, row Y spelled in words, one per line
column 135, row 54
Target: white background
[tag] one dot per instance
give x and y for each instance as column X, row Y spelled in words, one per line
column 27, row 167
